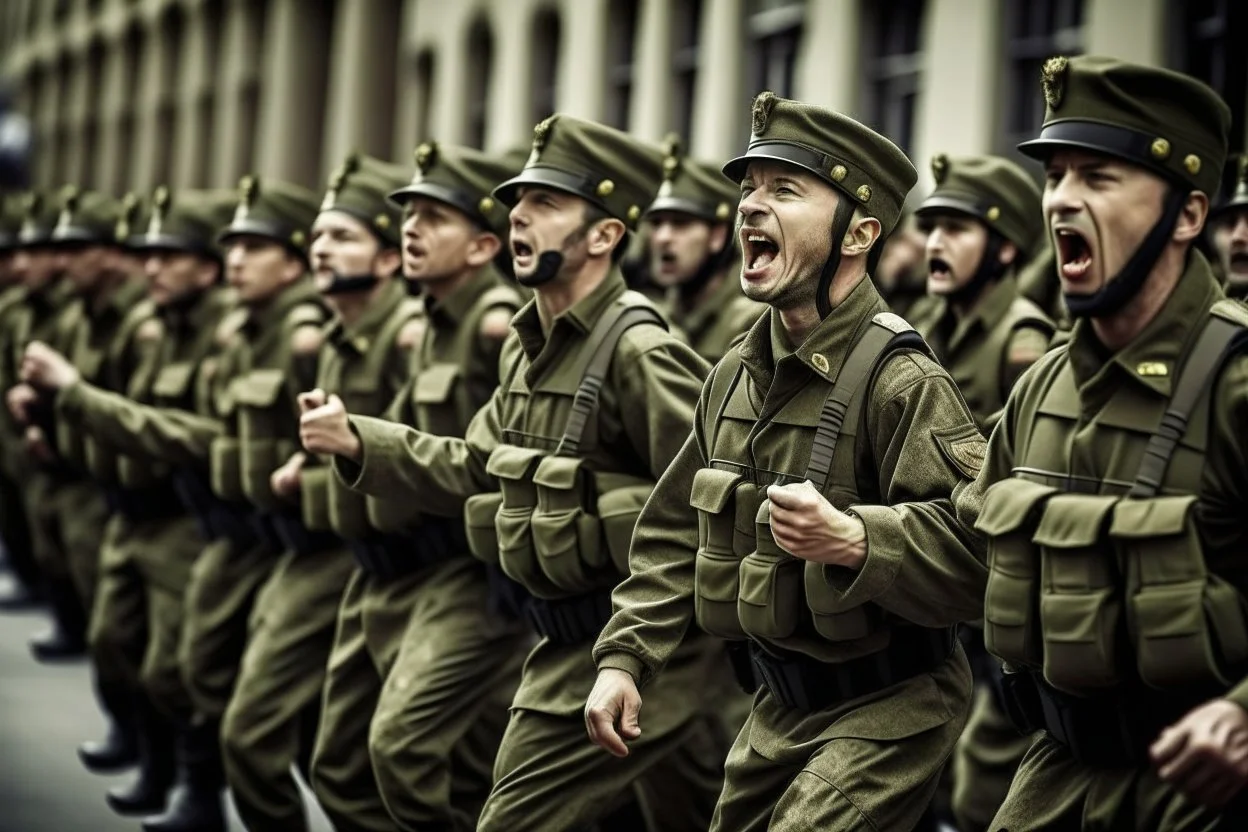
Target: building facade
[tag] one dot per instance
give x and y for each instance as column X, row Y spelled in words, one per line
column 128, row 94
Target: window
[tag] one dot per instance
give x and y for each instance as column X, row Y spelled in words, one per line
column 426, row 67
column 686, row 26
column 621, row 42
column 893, row 29
column 1036, row 30
column 544, row 80
column 774, row 30
column 1209, row 37
column 480, row 69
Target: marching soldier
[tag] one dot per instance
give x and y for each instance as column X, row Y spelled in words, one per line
column 901, row 272
column 593, row 400
column 424, row 666
column 694, row 257
column 830, row 400
column 1229, row 233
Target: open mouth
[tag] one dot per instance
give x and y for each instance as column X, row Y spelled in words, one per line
column 760, row 250
column 1074, row 254
column 1239, row 261
column 520, row 249
column 939, row 269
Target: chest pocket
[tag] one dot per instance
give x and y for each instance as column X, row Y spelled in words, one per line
column 434, row 399
column 265, row 424
column 727, row 505
column 363, row 394
column 172, row 385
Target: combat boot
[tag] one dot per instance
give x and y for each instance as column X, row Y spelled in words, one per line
column 119, row 749
column 149, row 790
column 67, row 637
column 195, row 804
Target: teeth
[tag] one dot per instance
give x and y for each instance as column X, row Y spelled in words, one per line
column 757, row 238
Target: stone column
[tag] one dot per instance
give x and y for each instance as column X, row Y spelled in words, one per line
column 234, row 127
column 582, row 58
column 720, row 120
column 74, row 116
column 509, row 122
column 195, row 74
column 827, row 71
column 111, row 167
column 1132, row 31
column 360, row 107
column 153, row 133
column 450, row 81
column 649, row 110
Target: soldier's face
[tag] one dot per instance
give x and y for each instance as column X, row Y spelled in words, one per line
column 680, row 244
column 1098, row 210
column 342, row 245
column 35, row 267
column 785, row 220
column 258, row 268
column 1230, row 238
column 437, row 240
column 542, row 220
column 86, row 266
column 954, row 248
column 173, row 275
column 902, row 261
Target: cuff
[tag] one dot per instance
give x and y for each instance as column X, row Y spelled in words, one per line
column 1239, row 694
column 879, row 570
column 73, row 401
column 619, row 660
column 379, row 440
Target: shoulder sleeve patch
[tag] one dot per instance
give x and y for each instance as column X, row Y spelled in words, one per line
column 964, row 447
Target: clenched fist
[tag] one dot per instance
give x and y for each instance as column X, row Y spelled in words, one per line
column 287, row 480
column 807, row 526
column 20, row 399
column 1205, row 754
column 612, row 710
column 44, row 367
column 323, row 427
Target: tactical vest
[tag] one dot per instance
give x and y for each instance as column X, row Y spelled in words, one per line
column 745, row 585
column 559, row 526
column 1097, row 582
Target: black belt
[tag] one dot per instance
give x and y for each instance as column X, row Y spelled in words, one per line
column 296, row 537
column 805, row 684
column 387, row 557
column 143, row 505
column 571, row 620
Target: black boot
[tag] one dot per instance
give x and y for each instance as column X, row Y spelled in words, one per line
column 149, row 790
column 120, row 747
column 21, row 597
column 67, row 637
column 195, row 804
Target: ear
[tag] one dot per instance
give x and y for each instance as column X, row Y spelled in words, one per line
column 719, row 237
column 1192, row 218
column 483, row 248
column 862, row 234
column 292, row 269
column 1008, row 254
column 210, row 273
column 388, row 262
column 604, row 236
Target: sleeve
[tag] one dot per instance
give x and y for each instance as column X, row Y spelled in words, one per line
column 174, row 436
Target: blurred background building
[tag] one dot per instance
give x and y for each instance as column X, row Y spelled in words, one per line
column 133, row 93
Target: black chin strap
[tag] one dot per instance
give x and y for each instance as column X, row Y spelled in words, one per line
column 548, row 265
column 989, row 270
column 344, row 283
column 840, row 225
column 1117, row 292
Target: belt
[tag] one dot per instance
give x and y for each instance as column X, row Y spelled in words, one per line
column 142, row 505
column 298, row 538
column 805, row 684
column 387, row 557
column 571, row 620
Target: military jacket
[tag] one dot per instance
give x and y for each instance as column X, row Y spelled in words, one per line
column 703, row 549
column 714, row 324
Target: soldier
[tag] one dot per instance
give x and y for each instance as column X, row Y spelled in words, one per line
column 983, row 224
column 424, row 667
column 593, row 400
column 901, row 272
column 864, row 689
column 270, row 722
column 694, row 257
column 1229, row 233
column 1111, row 496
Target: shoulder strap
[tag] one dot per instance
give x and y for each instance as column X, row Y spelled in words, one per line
column 886, row 334
column 603, row 340
column 723, row 380
column 1221, row 337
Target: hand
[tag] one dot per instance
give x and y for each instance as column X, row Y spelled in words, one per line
column 287, row 480
column 613, row 701
column 37, row 446
column 324, row 428
column 1205, row 754
column 20, row 399
column 807, row 526
column 44, row 367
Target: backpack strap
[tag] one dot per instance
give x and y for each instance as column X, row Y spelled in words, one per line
column 1222, row 336
column 887, row 334
column 723, row 381
column 603, row 340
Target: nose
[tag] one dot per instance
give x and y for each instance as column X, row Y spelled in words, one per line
column 1239, row 232
column 935, row 241
column 751, row 205
column 411, row 222
column 234, row 257
column 152, row 266
column 662, row 233
column 1061, row 195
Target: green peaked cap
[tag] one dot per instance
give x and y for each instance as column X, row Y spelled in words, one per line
column 995, row 191
column 86, row 217
column 1238, row 198
column 1168, row 122
column 186, row 221
column 462, row 177
column 850, row 156
column 279, row 211
column 11, row 213
column 693, row 187
column 608, row 168
column 360, row 187
column 39, row 215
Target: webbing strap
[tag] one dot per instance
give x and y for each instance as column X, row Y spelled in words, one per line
column 606, row 335
column 1218, row 339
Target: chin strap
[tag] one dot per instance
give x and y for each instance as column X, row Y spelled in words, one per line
column 344, row 283
column 1117, row 292
column 548, row 265
column 989, row 270
column 840, row 225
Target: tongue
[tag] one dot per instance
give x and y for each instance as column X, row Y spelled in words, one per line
column 763, row 259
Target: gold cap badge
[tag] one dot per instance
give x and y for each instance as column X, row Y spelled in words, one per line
column 761, row 111
column 940, row 168
column 1053, row 80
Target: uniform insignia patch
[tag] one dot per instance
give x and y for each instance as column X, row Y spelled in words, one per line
column 1152, row 369
column 965, row 447
column 761, row 111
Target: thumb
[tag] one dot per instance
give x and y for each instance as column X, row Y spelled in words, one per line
column 337, row 402
column 311, row 400
column 630, row 722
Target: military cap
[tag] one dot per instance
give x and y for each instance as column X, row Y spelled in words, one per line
column 1239, row 196
column 693, row 187
column 86, row 217
column 606, row 167
column 186, row 221
column 39, row 215
column 995, row 191
column 463, row 178
column 131, row 217
column 278, row 211
column 850, row 156
column 10, row 220
column 1165, row 121
column 359, row 187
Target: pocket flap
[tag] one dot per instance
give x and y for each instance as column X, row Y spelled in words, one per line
column 1155, row 517
column 509, row 462
column 624, row 502
column 259, row 388
column 171, row 382
column 558, row 472
column 1008, row 504
column 1072, row 521
column 712, row 488
column 435, row 383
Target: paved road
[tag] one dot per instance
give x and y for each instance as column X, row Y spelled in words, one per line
column 45, row 711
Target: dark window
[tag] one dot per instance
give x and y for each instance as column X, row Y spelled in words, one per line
column 686, row 26
column 893, row 29
column 426, row 69
column 544, row 80
column 1209, row 38
column 621, row 42
column 774, row 30
column 480, row 69
column 1036, row 30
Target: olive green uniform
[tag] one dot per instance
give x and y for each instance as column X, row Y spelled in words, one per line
column 713, row 325
column 424, row 665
